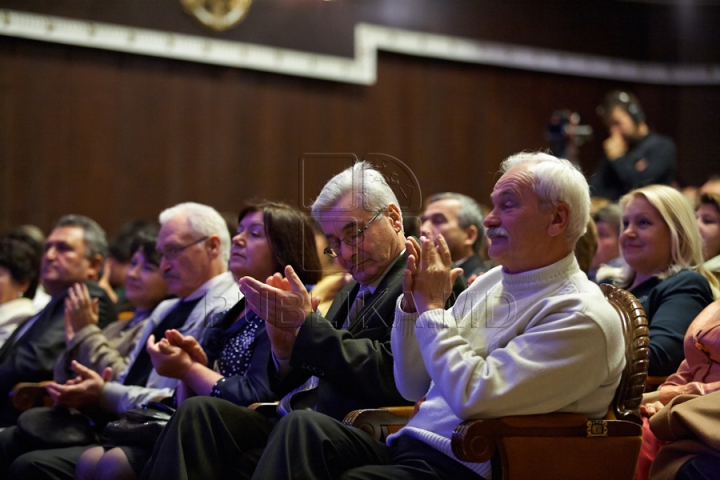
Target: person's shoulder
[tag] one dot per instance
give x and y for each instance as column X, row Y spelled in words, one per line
column 685, row 279
column 657, row 139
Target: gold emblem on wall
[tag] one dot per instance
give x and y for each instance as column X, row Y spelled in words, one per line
column 219, row 15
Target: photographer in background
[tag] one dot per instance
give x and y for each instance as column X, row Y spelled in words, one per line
column 634, row 156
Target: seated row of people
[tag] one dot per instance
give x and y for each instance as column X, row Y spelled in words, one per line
column 386, row 340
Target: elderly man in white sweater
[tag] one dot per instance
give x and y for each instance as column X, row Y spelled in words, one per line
column 531, row 336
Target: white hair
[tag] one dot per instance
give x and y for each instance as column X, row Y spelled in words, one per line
column 556, row 180
column 369, row 187
column 204, row 221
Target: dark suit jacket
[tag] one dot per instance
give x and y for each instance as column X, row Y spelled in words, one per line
column 473, row 266
column 32, row 357
column 355, row 366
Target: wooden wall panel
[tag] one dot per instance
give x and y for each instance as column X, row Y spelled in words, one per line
column 118, row 136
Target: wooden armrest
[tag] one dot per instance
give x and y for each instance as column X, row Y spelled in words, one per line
column 26, row 395
column 268, row 409
column 476, row 440
column 381, row 422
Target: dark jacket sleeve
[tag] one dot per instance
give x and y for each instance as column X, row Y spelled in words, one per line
column 254, row 385
column 658, row 152
column 671, row 307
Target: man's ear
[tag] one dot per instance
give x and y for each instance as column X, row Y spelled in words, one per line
column 95, row 266
column 394, row 214
column 212, row 244
column 472, row 235
column 559, row 220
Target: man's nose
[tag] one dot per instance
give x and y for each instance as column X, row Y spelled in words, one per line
column 491, row 220
column 425, row 229
column 164, row 264
column 51, row 253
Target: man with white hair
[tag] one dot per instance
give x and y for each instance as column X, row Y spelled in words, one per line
column 194, row 243
column 531, row 336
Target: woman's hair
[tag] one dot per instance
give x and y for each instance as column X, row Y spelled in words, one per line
column 685, row 240
column 291, row 238
column 145, row 243
column 22, row 261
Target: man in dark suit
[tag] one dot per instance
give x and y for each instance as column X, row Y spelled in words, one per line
column 459, row 220
column 74, row 252
column 341, row 362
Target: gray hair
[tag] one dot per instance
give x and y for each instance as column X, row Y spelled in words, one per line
column 369, row 187
column 468, row 214
column 556, row 180
column 203, row 220
column 93, row 234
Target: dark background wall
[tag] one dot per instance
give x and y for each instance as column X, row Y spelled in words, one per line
column 118, row 136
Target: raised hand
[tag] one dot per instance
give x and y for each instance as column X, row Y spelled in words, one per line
column 281, row 302
column 433, row 278
column 80, row 310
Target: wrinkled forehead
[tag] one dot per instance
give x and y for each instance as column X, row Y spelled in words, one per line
column 517, row 181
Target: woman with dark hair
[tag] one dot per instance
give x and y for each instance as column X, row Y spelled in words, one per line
column 232, row 362
column 19, row 272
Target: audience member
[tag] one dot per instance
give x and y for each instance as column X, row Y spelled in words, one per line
column 74, row 252
column 634, row 155
column 460, row 221
column 662, row 247
column 708, row 220
column 118, row 261
column 269, row 236
column 19, row 272
column 345, row 355
column 608, row 221
column 194, row 245
column 98, row 348
column 480, row 359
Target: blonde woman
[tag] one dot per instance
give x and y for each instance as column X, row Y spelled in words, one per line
column 661, row 245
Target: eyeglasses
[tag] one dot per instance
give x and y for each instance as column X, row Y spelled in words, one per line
column 352, row 240
column 171, row 253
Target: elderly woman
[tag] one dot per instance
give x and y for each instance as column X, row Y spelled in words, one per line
column 232, row 363
column 661, row 245
column 19, row 272
column 708, row 220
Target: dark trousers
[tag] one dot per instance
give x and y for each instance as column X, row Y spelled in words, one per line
column 21, row 458
column 310, row 445
column 702, row 467
column 209, row 438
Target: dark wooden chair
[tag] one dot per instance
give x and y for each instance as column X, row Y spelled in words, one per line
column 26, row 395
column 555, row 445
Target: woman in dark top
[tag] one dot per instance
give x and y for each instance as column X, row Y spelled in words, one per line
column 661, row 244
column 232, row 362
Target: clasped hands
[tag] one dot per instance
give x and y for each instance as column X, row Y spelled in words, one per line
column 175, row 355
column 428, row 278
column 283, row 303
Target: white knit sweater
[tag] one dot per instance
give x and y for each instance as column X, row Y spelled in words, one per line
column 513, row 344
